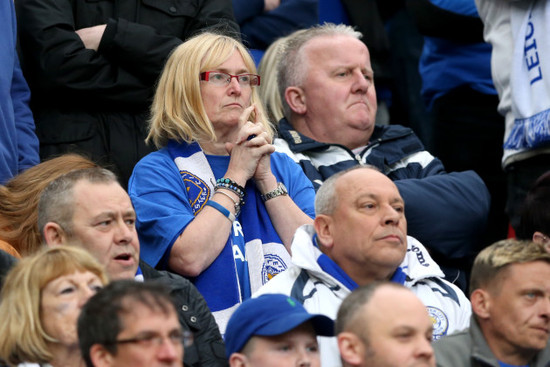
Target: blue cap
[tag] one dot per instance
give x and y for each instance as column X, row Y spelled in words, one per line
column 269, row 315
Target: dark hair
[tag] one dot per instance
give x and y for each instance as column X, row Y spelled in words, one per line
column 534, row 214
column 100, row 320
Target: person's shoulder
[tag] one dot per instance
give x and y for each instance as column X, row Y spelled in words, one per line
column 152, row 170
column 446, row 292
column 453, row 348
column 174, row 281
column 391, row 131
column 153, row 159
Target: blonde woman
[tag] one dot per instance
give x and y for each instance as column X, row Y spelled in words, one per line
column 216, row 203
column 40, row 303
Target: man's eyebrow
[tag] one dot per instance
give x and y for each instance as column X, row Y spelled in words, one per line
column 377, row 197
column 105, row 214
column 368, row 195
column 397, row 200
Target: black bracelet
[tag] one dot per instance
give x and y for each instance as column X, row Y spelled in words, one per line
column 226, row 183
column 230, row 184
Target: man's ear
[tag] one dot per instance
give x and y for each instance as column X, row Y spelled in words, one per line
column 539, row 237
column 351, row 348
column 296, row 100
column 481, row 303
column 54, row 235
column 238, row 360
column 323, row 228
column 100, row 356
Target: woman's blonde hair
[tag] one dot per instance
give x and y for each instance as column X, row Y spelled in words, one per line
column 19, row 200
column 23, row 338
column 178, row 112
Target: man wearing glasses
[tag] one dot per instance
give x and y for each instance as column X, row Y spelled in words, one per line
column 132, row 324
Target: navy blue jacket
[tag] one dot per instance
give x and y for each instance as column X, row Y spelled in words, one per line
column 447, row 212
column 259, row 29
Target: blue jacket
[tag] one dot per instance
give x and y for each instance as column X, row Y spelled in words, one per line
column 451, row 59
column 259, row 29
column 18, row 142
column 447, row 212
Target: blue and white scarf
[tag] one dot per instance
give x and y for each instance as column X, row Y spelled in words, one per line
column 265, row 254
column 530, row 78
column 330, row 267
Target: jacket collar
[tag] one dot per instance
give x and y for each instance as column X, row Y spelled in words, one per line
column 416, row 265
column 482, row 352
column 299, row 143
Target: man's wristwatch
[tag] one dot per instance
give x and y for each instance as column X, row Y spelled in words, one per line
column 280, row 190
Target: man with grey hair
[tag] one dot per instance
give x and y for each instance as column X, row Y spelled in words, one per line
column 327, row 88
column 359, row 236
column 89, row 208
column 384, row 324
column 510, row 326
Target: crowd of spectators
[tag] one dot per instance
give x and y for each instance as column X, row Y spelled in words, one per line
column 236, row 183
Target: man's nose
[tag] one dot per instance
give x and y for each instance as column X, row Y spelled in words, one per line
column 424, row 349
column 360, row 82
column 168, row 351
column 391, row 215
column 124, row 232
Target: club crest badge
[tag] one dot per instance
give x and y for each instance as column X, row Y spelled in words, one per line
column 198, row 191
column 273, row 265
column 439, row 321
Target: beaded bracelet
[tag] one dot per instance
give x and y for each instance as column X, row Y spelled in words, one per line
column 226, row 183
column 221, row 209
column 231, row 185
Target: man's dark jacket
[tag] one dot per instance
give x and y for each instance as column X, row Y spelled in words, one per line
column 98, row 101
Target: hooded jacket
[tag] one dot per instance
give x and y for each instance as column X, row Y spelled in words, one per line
column 322, row 293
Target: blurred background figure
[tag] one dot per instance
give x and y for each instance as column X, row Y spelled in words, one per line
column 18, row 142
column 40, row 303
column 458, row 91
column 519, row 34
column 534, row 223
column 92, row 67
column 264, row 21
